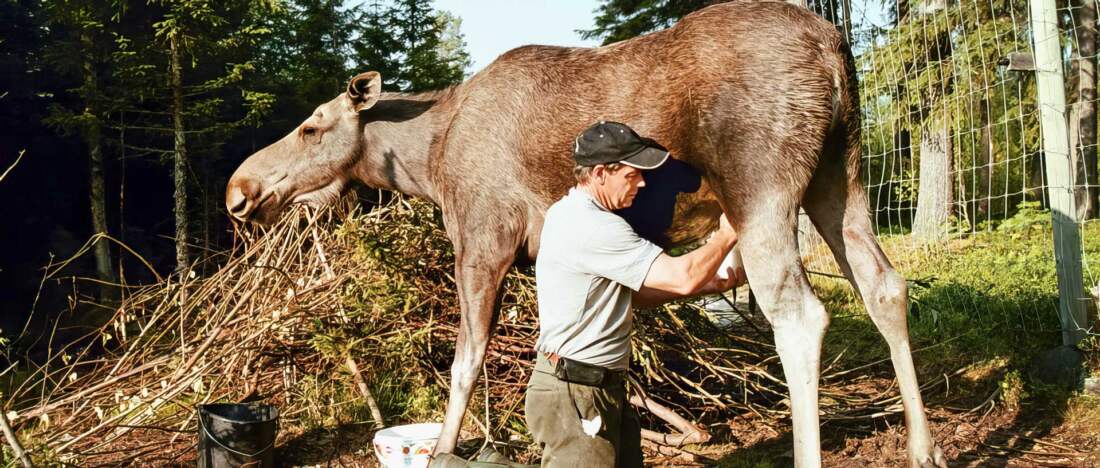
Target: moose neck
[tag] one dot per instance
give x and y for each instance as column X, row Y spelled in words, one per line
column 398, row 137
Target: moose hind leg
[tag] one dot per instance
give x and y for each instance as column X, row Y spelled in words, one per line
column 769, row 248
column 841, row 217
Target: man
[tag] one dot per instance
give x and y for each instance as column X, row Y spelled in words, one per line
column 591, row 270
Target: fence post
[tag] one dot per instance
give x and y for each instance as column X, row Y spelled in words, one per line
column 1046, row 40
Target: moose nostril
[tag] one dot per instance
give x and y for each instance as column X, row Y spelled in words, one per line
column 235, row 200
column 239, row 197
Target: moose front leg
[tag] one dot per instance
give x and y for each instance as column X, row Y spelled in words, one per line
column 478, row 279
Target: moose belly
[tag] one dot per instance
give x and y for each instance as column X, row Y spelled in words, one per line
column 676, row 207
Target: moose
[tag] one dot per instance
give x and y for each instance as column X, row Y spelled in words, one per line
column 770, row 131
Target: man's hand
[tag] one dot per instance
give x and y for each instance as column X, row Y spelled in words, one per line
column 725, row 232
column 718, row 284
column 693, row 273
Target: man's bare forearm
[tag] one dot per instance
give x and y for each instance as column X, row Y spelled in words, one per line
column 652, row 297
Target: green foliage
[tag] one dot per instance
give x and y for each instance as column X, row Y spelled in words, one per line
column 986, row 296
column 1029, row 215
column 1012, row 389
column 617, row 20
column 123, row 47
column 940, row 70
column 378, row 48
column 308, row 53
column 400, row 246
column 431, row 45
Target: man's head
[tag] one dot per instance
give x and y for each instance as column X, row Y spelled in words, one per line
column 610, row 158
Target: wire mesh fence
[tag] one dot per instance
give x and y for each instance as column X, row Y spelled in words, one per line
column 953, row 141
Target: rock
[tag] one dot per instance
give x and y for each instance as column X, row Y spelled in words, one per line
column 1061, row 366
column 1092, row 386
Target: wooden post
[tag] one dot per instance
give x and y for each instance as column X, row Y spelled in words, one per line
column 1052, row 109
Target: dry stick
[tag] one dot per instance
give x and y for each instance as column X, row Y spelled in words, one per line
column 375, row 411
column 1032, row 452
column 689, row 433
column 670, row 451
column 296, row 259
column 171, row 390
column 13, row 441
column 1043, row 442
column 883, row 360
column 36, row 412
column 8, row 170
column 114, row 379
column 164, row 395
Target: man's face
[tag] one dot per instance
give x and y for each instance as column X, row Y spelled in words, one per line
column 619, row 186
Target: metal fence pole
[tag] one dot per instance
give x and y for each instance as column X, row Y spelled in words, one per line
column 1052, row 109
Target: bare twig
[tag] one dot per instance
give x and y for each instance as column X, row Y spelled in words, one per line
column 17, row 159
column 13, row 441
column 375, row 411
column 689, row 433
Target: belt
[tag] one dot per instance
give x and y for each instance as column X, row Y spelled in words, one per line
column 610, row 375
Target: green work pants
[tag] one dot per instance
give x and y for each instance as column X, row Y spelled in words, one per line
column 554, row 410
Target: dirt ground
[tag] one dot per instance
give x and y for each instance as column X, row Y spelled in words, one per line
column 1046, row 433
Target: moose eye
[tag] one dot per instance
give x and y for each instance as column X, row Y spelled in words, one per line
column 311, row 134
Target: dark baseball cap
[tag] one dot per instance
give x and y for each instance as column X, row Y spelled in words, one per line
column 613, row 142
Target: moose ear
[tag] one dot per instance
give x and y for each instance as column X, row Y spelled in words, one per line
column 364, row 89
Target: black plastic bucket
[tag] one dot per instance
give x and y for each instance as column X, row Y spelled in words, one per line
column 233, row 435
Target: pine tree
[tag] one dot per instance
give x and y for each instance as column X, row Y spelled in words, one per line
column 420, row 31
column 213, row 36
column 83, row 50
column 617, row 20
column 313, row 40
column 378, row 47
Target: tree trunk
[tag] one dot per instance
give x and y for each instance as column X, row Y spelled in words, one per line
column 985, row 170
column 934, row 199
column 1083, row 112
column 847, row 5
column 122, row 193
column 179, row 171
column 94, row 142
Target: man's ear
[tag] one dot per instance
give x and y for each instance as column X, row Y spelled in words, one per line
column 364, row 90
column 599, row 173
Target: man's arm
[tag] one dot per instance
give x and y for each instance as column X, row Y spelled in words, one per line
column 689, row 274
column 650, row 297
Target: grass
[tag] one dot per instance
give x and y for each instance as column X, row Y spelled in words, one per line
column 983, row 307
column 983, row 303
column 989, row 296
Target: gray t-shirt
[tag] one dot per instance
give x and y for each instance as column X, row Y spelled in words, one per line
column 589, row 262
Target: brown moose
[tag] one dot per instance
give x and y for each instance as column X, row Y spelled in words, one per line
column 760, row 98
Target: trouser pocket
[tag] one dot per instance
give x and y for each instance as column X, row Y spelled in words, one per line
column 556, row 414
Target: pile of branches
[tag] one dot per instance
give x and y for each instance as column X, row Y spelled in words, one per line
column 323, row 310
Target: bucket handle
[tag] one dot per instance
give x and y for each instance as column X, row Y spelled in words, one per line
column 238, row 452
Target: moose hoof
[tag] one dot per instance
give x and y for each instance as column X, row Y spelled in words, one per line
column 935, row 459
